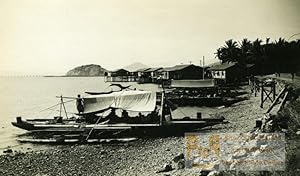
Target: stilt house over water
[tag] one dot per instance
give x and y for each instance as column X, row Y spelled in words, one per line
column 179, row 72
column 120, row 75
column 152, row 75
column 139, row 74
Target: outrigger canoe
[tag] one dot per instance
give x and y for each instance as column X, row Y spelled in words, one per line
column 158, row 122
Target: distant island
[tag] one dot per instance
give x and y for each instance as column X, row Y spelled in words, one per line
column 87, row 70
column 97, row 70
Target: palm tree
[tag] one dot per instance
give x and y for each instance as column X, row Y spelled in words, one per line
column 244, row 53
column 231, row 51
column 280, row 52
column 220, row 54
column 291, row 55
column 256, row 51
column 278, row 56
column 255, row 54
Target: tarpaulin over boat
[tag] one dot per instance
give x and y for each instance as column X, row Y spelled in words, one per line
column 193, row 83
column 130, row 100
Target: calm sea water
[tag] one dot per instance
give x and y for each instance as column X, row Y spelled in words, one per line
column 28, row 97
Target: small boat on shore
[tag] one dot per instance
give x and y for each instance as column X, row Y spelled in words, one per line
column 154, row 118
column 200, row 93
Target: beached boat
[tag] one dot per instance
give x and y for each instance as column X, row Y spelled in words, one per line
column 153, row 117
column 200, row 93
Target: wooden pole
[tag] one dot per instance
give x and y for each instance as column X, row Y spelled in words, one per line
column 262, row 95
column 88, row 136
column 161, row 108
column 63, row 104
column 274, row 90
column 283, row 101
column 276, row 100
column 203, row 69
column 60, row 106
column 254, row 87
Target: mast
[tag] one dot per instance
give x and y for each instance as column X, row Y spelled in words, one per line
column 203, row 68
column 60, row 106
column 161, row 107
column 63, row 104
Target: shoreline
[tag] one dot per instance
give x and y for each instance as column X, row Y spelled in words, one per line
column 142, row 157
column 38, row 76
column 70, row 76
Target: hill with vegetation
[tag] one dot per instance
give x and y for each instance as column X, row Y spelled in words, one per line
column 87, row 70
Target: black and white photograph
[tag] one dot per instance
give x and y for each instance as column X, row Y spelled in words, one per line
column 149, row 87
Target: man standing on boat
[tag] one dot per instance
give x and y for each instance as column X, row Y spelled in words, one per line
column 166, row 113
column 125, row 114
column 79, row 104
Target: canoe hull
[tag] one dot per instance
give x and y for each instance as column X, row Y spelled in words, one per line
column 167, row 128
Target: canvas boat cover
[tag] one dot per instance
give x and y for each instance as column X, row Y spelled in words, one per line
column 130, row 100
column 192, row 83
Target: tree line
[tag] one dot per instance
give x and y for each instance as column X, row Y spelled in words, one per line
column 280, row 56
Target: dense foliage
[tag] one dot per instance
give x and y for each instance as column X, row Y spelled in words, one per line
column 280, row 56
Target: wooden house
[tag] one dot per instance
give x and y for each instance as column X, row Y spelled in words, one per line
column 180, row 72
column 120, row 72
column 140, row 72
column 153, row 74
column 226, row 72
column 119, row 75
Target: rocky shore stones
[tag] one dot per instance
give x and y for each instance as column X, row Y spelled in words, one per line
column 102, row 152
column 240, row 154
column 8, row 151
column 181, row 164
column 142, row 157
column 178, row 157
column 213, row 173
column 204, row 173
column 166, row 168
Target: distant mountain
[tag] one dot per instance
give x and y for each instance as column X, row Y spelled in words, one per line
column 87, row 70
column 135, row 66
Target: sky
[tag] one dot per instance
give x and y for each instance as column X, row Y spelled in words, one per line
column 54, row 36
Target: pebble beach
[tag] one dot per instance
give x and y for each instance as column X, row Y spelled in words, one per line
column 141, row 157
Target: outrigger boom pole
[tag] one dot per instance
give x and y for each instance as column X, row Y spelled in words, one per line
column 62, row 105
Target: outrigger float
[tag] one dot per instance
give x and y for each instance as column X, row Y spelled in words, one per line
column 93, row 125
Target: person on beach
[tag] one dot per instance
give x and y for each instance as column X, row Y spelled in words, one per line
column 125, row 114
column 112, row 116
column 154, row 117
column 79, row 104
column 166, row 114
